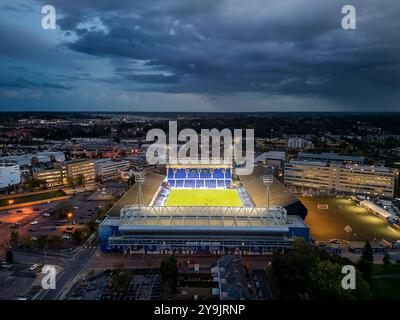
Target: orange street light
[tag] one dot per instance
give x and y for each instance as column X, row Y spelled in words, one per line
column 10, row 201
column 69, row 215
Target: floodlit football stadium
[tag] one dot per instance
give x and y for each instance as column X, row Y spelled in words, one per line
column 204, row 208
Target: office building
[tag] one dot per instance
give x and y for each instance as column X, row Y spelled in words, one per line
column 347, row 178
column 111, row 169
column 84, row 168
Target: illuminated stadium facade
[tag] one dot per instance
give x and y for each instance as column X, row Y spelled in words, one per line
column 216, row 213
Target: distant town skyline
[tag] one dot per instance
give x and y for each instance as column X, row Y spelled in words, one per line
column 191, row 56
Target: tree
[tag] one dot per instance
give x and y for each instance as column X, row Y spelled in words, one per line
column 326, row 283
column 169, row 272
column 365, row 264
column 80, row 179
column 99, row 179
column 81, row 234
column 14, row 238
column 27, row 241
column 106, row 207
column 9, row 256
column 92, row 225
column 131, row 180
column 387, row 259
column 307, row 272
column 61, row 209
column 55, row 242
column 42, row 242
column 122, row 279
column 292, row 270
column 31, row 183
column 70, row 181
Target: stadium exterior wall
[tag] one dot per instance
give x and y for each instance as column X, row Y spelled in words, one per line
column 159, row 240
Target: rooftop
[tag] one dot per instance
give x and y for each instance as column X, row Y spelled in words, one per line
column 204, row 217
column 330, row 156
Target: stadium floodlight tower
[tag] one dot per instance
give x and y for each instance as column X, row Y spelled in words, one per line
column 268, row 180
column 139, row 179
column 135, row 211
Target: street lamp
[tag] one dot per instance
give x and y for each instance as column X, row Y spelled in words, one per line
column 10, row 201
column 69, row 215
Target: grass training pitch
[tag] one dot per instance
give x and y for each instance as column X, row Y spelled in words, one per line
column 204, row 197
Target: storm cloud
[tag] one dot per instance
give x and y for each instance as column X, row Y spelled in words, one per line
column 193, row 55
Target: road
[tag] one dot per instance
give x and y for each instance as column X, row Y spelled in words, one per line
column 67, row 275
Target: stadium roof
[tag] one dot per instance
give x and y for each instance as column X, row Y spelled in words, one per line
column 152, row 218
column 280, row 195
column 271, row 155
column 151, row 183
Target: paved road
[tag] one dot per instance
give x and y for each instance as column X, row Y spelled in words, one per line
column 67, row 275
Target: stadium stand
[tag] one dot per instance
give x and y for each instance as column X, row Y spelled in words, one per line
column 280, row 195
column 150, row 186
column 199, row 178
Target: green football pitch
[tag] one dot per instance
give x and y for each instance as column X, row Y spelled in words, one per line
column 204, row 197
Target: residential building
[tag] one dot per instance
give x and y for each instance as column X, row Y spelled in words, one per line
column 230, row 274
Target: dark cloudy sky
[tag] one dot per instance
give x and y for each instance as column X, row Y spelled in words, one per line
column 200, row 55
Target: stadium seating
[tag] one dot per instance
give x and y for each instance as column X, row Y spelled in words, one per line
column 199, row 178
column 220, row 183
column 193, row 174
column 218, row 174
column 199, row 183
column 180, row 174
column 205, row 174
column 171, row 174
column 190, row 183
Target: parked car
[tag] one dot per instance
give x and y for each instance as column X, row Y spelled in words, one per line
column 34, row 267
